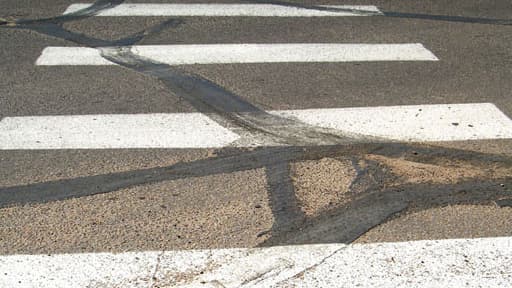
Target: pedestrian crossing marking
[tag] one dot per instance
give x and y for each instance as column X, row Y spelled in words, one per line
column 179, row 130
column 447, row 122
column 226, row 10
column 441, row 263
column 244, row 53
column 444, row 122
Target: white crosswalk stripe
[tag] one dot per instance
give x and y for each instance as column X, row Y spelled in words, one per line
column 484, row 262
column 449, row 122
column 214, row 9
column 244, row 53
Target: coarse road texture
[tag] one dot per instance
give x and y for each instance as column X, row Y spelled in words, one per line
column 105, row 147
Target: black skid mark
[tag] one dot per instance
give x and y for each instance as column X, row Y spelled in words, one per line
column 53, row 26
column 371, row 206
column 56, row 30
column 448, row 18
column 347, row 223
column 233, row 161
column 90, row 11
column 225, row 107
column 392, row 14
column 207, row 97
column 368, row 177
column 283, row 201
column 230, row 160
column 504, row 202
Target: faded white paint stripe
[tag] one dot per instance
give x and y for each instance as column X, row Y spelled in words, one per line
column 245, row 53
column 483, row 262
column 180, row 130
column 262, row 10
column 447, row 122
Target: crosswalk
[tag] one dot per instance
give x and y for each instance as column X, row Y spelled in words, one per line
column 304, row 265
column 244, row 53
column 455, row 262
column 421, row 123
column 226, row 10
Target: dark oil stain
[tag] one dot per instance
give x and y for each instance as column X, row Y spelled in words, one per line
column 372, row 202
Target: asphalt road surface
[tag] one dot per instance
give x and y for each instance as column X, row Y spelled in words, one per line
column 105, row 149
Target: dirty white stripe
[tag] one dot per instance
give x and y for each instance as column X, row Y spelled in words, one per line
column 448, row 122
column 483, row 262
column 443, row 122
column 193, row 130
column 245, row 53
column 262, row 10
